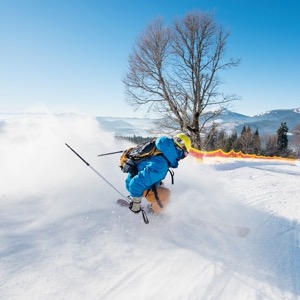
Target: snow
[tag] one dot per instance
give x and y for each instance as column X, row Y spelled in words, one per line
column 63, row 237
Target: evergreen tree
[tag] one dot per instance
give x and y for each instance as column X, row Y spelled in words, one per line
column 236, row 143
column 246, row 140
column 221, row 140
column 282, row 139
column 231, row 142
column 134, row 139
column 256, row 145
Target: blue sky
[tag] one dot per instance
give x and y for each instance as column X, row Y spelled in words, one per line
column 71, row 55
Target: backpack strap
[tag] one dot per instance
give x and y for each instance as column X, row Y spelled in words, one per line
column 157, row 197
column 172, row 175
column 154, row 190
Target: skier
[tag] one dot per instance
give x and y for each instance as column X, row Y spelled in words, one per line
column 154, row 169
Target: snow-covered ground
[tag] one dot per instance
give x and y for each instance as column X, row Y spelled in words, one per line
column 63, row 237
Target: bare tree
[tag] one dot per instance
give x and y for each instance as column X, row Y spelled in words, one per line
column 246, row 139
column 271, row 146
column 296, row 140
column 175, row 72
column 211, row 137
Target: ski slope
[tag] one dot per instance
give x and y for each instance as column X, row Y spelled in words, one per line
column 63, row 237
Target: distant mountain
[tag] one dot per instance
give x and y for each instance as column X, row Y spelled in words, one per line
column 267, row 122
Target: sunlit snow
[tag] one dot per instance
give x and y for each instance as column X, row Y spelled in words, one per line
column 62, row 236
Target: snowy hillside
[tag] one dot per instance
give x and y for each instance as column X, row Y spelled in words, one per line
column 266, row 123
column 63, row 237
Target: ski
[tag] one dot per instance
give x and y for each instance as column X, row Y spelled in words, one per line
column 122, row 202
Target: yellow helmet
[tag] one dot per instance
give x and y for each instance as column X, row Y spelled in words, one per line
column 182, row 141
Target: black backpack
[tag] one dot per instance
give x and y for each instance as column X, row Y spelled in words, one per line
column 134, row 155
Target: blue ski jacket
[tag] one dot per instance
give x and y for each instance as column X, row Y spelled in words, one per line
column 153, row 170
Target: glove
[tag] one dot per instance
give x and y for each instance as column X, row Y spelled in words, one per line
column 135, row 204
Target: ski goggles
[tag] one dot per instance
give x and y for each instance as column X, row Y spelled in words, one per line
column 181, row 146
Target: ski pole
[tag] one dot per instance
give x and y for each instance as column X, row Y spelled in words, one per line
column 103, row 154
column 143, row 212
column 97, row 173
